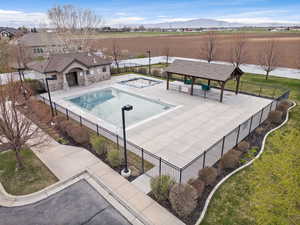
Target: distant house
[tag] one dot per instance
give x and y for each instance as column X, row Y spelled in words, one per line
column 42, row 44
column 9, row 32
column 72, row 69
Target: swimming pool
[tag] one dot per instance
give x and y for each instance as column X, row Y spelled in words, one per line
column 106, row 104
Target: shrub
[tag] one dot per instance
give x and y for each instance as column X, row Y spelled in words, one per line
column 42, row 111
column 243, row 146
column 78, row 134
column 99, row 144
column 275, row 117
column 35, row 86
column 284, row 105
column 58, row 120
column 208, row 175
column 114, row 158
column 183, row 198
column 230, row 159
column 199, row 186
column 65, row 125
column 156, row 73
column 259, row 130
column 161, row 186
column 142, row 70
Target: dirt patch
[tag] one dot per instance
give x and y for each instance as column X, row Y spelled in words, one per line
column 189, row 46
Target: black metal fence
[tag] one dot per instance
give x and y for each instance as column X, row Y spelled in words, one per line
column 162, row 167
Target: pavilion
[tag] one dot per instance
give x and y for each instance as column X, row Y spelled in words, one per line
column 220, row 73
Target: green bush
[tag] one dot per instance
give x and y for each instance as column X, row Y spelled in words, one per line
column 161, row 186
column 183, row 199
column 114, row 158
column 99, row 144
column 208, row 175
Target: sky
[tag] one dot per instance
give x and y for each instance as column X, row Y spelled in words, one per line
column 117, row 12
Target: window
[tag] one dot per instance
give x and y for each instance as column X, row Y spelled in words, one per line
column 104, row 69
column 87, row 72
column 54, row 77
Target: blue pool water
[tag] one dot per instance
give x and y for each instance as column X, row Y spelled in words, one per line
column 106, row 104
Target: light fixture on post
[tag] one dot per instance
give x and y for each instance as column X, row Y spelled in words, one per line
column 49, row 95
column 125, row 172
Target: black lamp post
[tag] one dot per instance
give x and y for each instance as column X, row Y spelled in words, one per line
column 149, row 56
column 49, row 95
column 125, row 108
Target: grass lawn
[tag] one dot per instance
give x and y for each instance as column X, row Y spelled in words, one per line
column 230, row 205
column 34, row 177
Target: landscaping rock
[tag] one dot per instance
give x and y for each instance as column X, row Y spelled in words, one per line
column 199, row 186
column 230, row 160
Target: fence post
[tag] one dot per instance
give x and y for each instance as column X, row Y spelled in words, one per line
column 80, row 120
column 223, row 145
column 204, row 156
column 67, row 113
column 238, row 135
column 44, row 99
column 259, row 91
column 55, row 108
column 97, row 128
column 180, row 175
column 159, row 166
column 118, row 142
column 251, row 121
column 143, row 165
column 262, row 112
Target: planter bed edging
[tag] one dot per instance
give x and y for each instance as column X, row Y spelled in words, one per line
column 242, row 167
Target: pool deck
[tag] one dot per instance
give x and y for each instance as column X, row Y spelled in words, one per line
column 184, row 132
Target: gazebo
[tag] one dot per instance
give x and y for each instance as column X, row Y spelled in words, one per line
column 220, row 73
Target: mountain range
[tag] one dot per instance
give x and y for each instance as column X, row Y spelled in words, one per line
column 208, row 23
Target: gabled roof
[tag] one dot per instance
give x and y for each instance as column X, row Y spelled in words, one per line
column 58, row 63
column 209, row 71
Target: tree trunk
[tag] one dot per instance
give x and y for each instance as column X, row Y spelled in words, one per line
column 267, row 75
column 19, row 160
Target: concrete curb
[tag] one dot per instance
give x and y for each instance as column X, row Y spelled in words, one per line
column 242, row 167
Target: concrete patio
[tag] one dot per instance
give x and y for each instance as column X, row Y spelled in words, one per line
column 183, row 133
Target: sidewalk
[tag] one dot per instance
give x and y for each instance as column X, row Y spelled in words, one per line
column 68, row 162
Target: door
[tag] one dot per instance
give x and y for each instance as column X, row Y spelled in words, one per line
column 72, row 79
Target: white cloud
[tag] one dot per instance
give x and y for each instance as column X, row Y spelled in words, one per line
column 121, row 14
column 177, row 19
column 125, row 20
column 18, row 18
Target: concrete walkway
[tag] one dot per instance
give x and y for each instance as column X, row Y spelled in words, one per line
column 67, row 162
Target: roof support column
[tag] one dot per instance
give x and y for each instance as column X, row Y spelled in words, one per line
column 65, row 82
column 86, row 80
column 222, row 91
column 168, row 79
column 238, row 80
column 192, row 87
column 208, row 83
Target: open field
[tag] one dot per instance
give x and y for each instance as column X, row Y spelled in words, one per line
column 231, row 203
column 189, row 46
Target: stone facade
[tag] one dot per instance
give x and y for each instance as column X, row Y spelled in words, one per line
column 85, row 76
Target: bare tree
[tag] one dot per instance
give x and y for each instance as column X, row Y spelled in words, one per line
column 16, row 131
column 74, row 26
column 4, row 56
column 166, row 52
column 209, row 47
column 238, row 50
column 268, row 58
column 116, row 53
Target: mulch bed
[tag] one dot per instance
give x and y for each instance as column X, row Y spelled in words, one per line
column 56, row 134
column 254, row 140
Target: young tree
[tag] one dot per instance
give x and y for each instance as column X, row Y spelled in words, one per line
column 275, row 182
column 116, row 53
column 74, row 26
column 16, row 131
column 166, row 53
column 238, row 49
column 268, row 58
column 209, row 46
